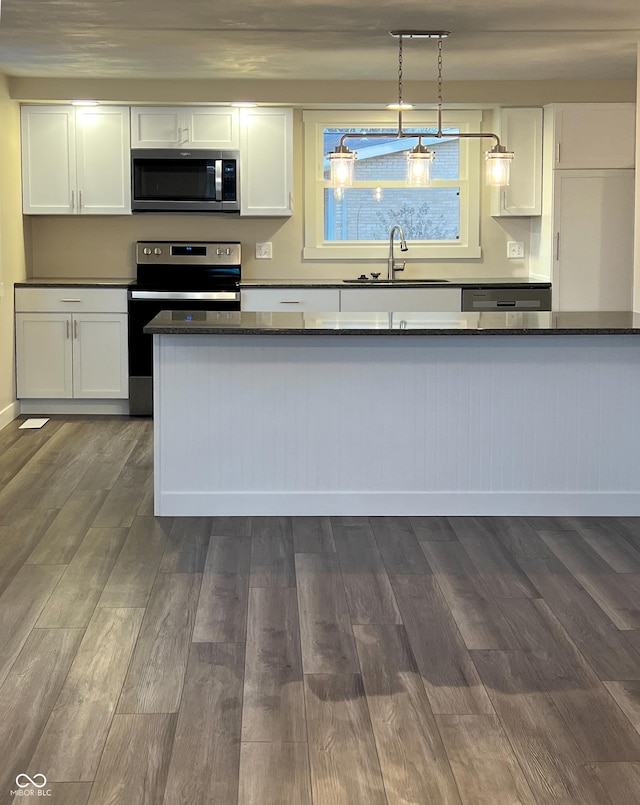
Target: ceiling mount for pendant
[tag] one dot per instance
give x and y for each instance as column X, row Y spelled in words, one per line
column 419, row 158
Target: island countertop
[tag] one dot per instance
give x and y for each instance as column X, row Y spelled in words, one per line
column 205, row 322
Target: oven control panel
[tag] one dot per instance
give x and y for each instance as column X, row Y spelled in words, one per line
column 188, row 253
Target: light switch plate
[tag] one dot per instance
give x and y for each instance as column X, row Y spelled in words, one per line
column 264, row 251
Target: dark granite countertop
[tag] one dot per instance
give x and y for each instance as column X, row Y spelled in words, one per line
column 490, row 323
column 457, row 282
column 76, row 282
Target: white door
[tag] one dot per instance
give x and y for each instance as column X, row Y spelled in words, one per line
column 157, row 127
column 266, row 161
column 593, row 250
column 48, row 160
column 100, row 356
column 44, row 355
column 103, row 160
column 211, row 127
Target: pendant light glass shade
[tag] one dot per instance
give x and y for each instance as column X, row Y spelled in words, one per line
column 341, row 163
column 419, row 161
column 498, row 166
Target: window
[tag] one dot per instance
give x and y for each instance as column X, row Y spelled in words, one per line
column 441, row 220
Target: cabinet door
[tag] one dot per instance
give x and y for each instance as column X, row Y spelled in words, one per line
column 211, row 127
column 100, row 368
column 48, row 160
column 593, row 255
column 594, row 135
column 103, row 160
column 291, row 299
column 43, row 355
column 157, row 127
column 521, row 132
column 416, row 300
column 266, row 162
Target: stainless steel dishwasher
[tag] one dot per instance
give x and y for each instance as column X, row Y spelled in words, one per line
column 506, row 299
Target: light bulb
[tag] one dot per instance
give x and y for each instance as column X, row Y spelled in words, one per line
column 341, row 162
column 498, row 166
column 419, row 161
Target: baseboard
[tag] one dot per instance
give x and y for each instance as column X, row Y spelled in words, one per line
column 45, row 407
column 469, row 504
column 9, row 413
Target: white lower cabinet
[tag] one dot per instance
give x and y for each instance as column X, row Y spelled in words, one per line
column 326, row 300
column 415, row 300
column 62, row 355
column 44, row 356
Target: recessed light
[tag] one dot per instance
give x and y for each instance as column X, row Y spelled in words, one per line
column 244, row 104
column 84, row 103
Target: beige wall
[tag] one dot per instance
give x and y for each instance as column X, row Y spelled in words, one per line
column 12, row 260
column 636, row 272
column 67, row 246
column 72, row 246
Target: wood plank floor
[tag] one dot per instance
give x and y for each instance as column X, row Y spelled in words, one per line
column 303, row 661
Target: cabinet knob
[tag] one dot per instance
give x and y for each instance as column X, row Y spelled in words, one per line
column 146, row 250
column 157, row 250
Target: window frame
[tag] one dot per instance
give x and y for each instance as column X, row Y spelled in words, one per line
column 316, row 247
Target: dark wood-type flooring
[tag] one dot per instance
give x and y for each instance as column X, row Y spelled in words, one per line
column 280, row 660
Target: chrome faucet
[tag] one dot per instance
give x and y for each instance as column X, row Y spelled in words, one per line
column 392, row 265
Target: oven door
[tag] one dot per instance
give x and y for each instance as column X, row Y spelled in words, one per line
column 144, row 306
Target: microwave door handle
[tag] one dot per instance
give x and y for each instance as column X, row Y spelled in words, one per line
column 218, row 174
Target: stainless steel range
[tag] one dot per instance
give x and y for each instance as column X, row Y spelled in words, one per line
column 175, row 275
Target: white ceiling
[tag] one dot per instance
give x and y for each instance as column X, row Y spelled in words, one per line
column 318, row 39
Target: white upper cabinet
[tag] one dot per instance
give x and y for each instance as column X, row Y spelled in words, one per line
column 48, row 159
column 593, row 135
column 76, row 160
column 520, row 130
column 184, row 126
column 266, row 161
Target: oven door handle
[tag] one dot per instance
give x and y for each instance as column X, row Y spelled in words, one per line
column 182, row 296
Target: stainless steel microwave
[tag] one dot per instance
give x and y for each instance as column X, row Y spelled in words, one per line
column 184, row 180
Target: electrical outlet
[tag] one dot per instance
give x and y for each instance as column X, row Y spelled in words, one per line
column 515, row 249
column 264, row 251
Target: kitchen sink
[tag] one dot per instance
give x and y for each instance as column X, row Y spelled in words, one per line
column 394, row 282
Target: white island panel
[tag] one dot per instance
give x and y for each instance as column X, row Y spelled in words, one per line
column 276, row 425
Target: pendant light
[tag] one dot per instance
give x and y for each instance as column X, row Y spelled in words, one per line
column 419, row 159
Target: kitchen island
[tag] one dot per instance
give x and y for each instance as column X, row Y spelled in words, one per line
column 396, row 414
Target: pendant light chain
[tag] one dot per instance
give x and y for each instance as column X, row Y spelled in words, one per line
column 400, row 71
column 439, row 134
column 400, row 86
